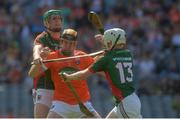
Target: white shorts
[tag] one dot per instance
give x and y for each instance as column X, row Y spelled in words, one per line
column 43, row 96
column 66, row 110
column 129, row 107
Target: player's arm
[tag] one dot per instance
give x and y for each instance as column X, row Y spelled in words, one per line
column 37, row 68
column 38, row 46
column 36, row 51
column 83, row 74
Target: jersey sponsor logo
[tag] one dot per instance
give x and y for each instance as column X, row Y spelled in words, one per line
column 122, row 59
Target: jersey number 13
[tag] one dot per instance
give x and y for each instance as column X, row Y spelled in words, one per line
column 122, row 67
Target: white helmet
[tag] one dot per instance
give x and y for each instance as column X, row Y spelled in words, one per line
column 111, row 35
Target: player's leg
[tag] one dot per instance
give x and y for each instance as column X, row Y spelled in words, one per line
column 58, row 110
column 40, row 111
column 133, row 106
column 130, row 107
column 43, row 101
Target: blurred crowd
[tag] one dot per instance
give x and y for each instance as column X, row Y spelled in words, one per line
column 152, row 27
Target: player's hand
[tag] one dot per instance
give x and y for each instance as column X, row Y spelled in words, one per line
column 37, row 61
column 65, row 76
column 98, row 57
column 99, row 37
column 40, row 62
column 44, row 52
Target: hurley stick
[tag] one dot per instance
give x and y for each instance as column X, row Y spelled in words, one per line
column 96, row 21
column 73, row 57
column 83, row 108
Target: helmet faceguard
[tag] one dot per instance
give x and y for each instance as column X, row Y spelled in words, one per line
column 69, row 41
column 48, row 14
column 113, row 37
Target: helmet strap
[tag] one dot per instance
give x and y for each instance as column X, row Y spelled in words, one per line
column 115, row 42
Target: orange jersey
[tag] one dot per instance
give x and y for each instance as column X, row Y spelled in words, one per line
column 62, row 91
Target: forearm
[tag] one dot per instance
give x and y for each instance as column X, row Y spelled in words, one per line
column 36, row 51
column 80, row 75
column 38, row 66
column 36, row 69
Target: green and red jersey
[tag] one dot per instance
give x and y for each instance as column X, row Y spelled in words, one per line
column 46, row 40
column 44, row 80
column 118, row 67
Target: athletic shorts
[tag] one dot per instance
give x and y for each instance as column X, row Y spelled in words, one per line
column 66, row 110
column 43, row 96
column 129, row 107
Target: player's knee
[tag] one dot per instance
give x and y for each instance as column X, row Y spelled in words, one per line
column 40, row 111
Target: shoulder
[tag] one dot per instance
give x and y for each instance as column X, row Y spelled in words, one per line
column 40, row 36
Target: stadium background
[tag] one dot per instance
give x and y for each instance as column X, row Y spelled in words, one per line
column 153, row 35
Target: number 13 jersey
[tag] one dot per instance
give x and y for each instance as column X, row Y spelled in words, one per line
column 118, row 67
